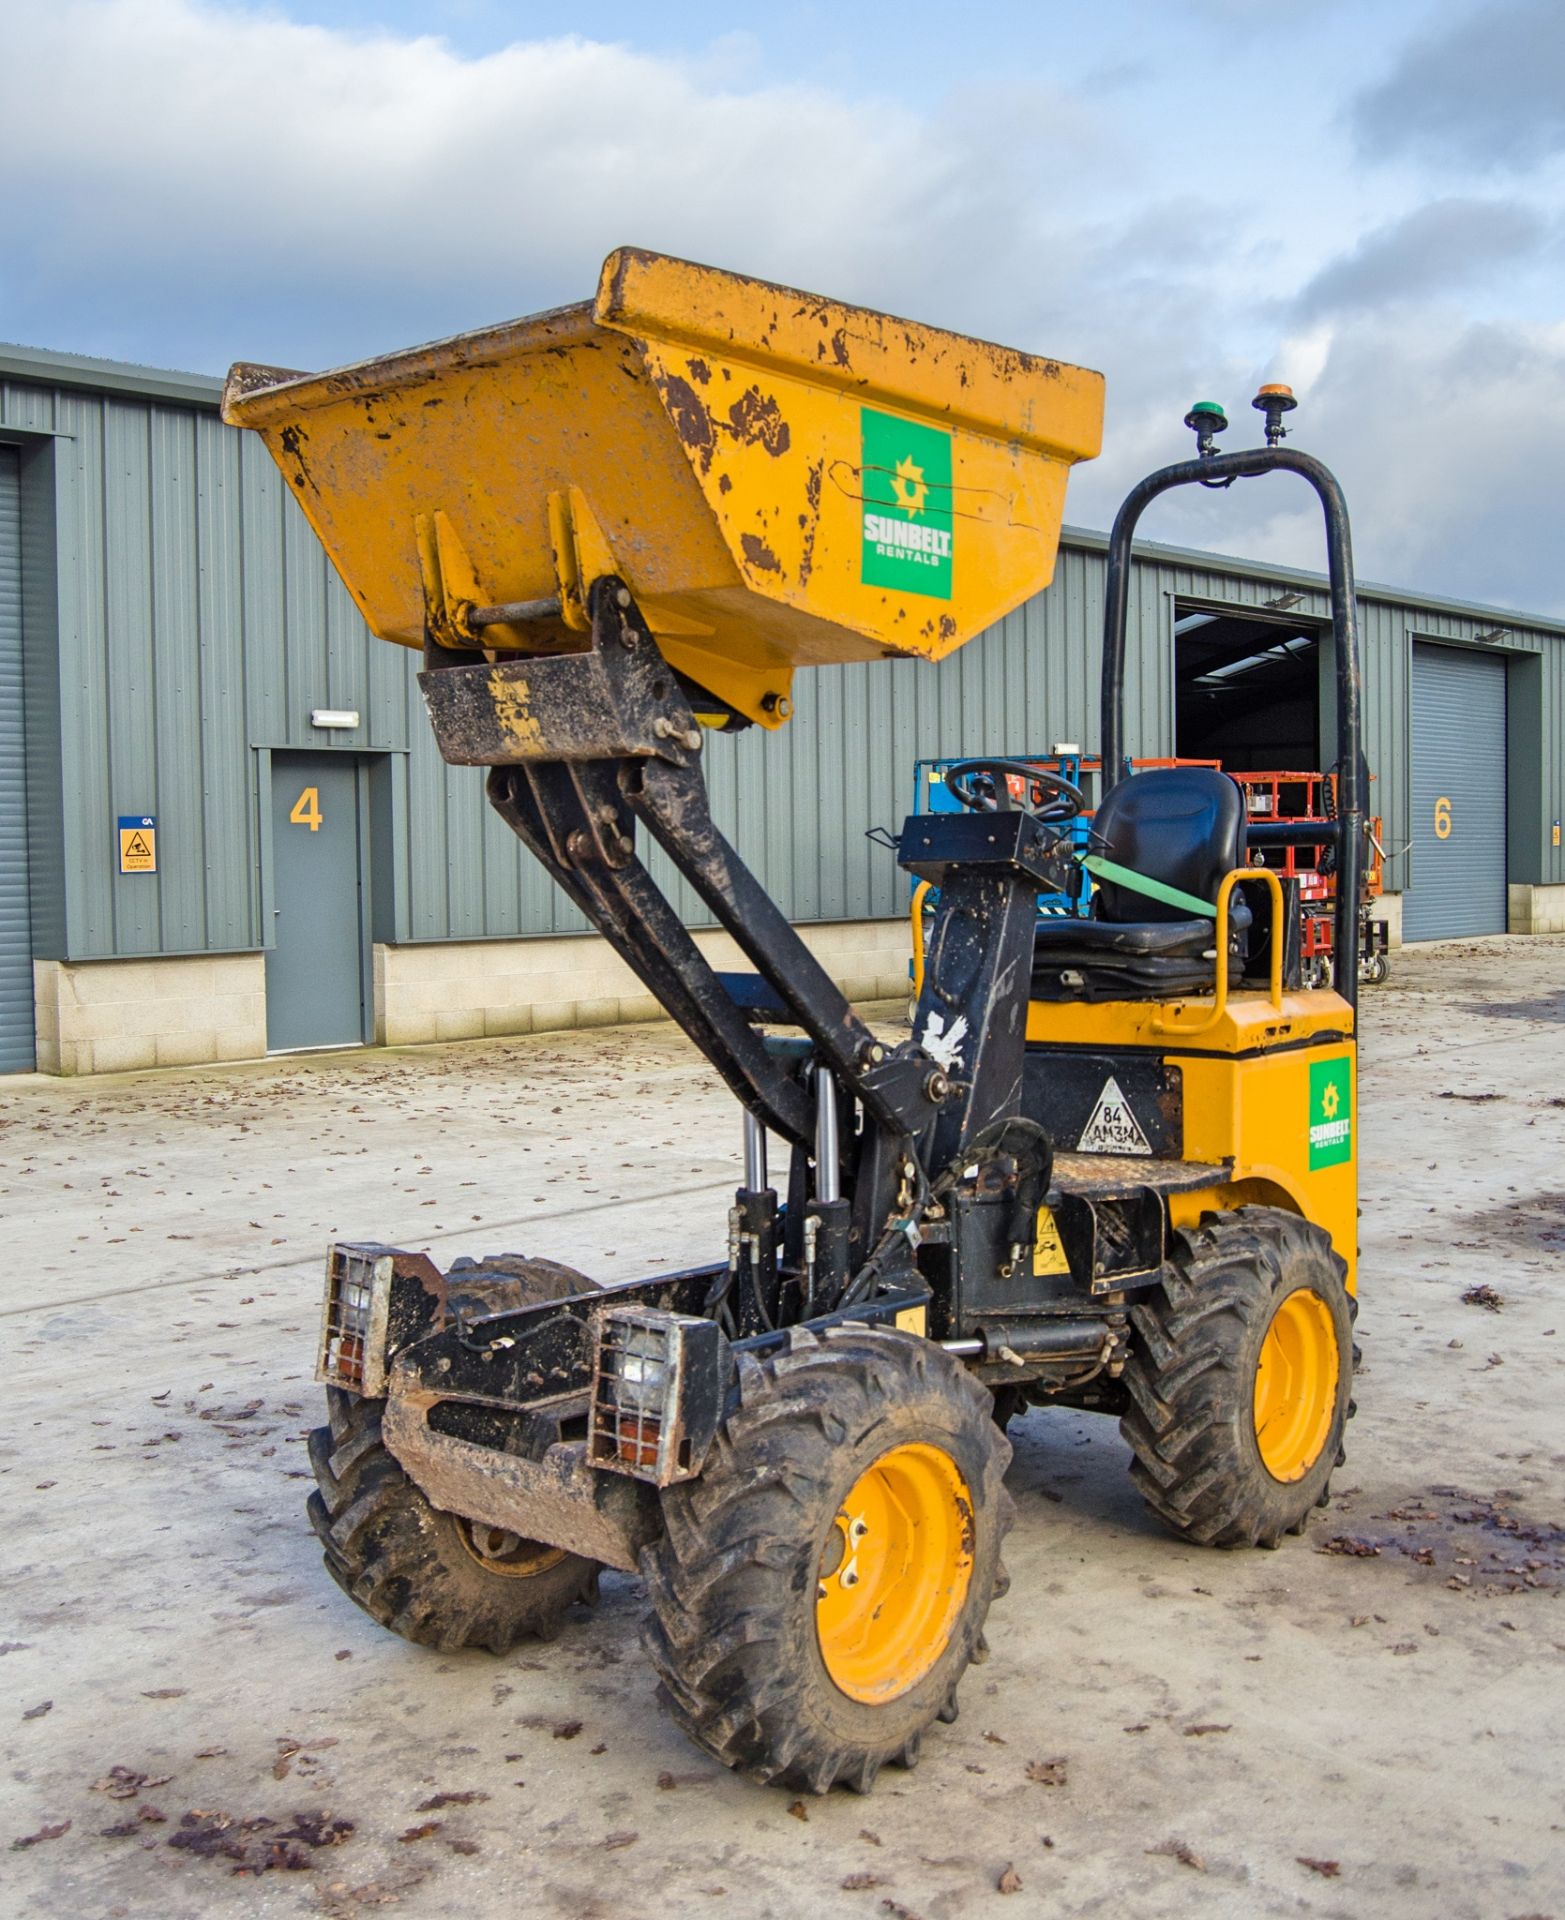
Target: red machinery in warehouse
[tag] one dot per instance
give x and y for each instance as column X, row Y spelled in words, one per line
column 1298, row 799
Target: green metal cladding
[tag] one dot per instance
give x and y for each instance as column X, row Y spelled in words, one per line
column 180, row 622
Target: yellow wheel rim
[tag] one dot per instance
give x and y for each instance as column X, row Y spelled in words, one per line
column 1296, row 1385
column 498, row 1550
column 894, row 1572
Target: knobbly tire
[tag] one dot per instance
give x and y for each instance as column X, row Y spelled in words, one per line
column 749, row 1584
column 431, row 1576
column 1191, row 1378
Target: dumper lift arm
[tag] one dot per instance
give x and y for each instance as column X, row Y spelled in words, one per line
column 580, row 746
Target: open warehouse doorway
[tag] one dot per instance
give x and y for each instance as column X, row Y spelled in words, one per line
column 1247, row 689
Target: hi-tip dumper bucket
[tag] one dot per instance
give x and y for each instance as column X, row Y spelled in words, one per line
column 778, row 479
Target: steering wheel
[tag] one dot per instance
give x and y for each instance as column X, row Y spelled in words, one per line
column 984, row 786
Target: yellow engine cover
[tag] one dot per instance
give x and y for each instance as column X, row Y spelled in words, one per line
column 1271, row 1092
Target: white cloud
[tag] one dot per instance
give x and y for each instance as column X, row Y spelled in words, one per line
column 1487, row 89
column 189, row 183
column 247, row 151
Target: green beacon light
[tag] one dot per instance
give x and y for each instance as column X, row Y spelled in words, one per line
column 1205, row 419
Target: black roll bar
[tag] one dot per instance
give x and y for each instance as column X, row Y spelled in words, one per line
column 1348, row 829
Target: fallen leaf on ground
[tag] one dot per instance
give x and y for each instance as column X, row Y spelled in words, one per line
column 420, row 1833
column 859, row 1882
column 436, row 1801
column 799, row 1810
column 566, row 1729
column 1047, row 1773
column 1208, row 1726
column 38, row 1712
column 258, row 1845
column 44, row 1833
column 1484, row 1296
column 1347, row 1543
column 145, row 1817
column 1009, row 1882
column 1179, row 1850
column 124, row 1783
column 318, row 1830
column 621, row 1839
column 1327, row 1869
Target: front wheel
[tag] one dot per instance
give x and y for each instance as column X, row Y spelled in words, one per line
column 1240, row 1378
column 823, row 1586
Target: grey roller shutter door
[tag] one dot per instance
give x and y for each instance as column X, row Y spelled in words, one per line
column 1458, row 824
column 16, row 952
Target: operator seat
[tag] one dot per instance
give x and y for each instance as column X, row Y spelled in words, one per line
column 1183, row 827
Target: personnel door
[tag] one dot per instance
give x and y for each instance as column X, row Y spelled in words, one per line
column 316, row 967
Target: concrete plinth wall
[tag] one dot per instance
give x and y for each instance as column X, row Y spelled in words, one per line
column 466, row 990
column 1389, row 908
column 1536, row 910
column 114, row 1016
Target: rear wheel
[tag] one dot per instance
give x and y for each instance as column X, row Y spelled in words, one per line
column 431, row 1576
column 823, row 1586
column 1240, row 1377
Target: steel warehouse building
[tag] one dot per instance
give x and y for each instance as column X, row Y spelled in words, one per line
column 224, row 828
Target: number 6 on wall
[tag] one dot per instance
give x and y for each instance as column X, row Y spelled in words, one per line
column 307, row 810
column 1442, row 818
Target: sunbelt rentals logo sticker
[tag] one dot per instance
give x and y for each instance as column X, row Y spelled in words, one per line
column 1331, row 1113
column 906, row 471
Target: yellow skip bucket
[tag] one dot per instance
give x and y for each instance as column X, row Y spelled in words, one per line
column 780, row 480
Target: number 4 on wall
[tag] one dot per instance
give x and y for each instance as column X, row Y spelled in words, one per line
column 307, row 810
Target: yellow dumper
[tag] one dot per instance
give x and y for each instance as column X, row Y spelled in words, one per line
column 608, row 528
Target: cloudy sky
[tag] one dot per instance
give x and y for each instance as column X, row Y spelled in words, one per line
column 1363, row 197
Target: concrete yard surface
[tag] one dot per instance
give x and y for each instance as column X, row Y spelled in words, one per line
column 1368, row 1722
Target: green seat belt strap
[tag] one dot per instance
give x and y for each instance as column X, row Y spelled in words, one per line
column 1102, row 869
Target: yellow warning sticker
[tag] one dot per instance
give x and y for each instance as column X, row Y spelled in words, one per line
column 1048, row 1255
column 138, row 843
column 913, row 1320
